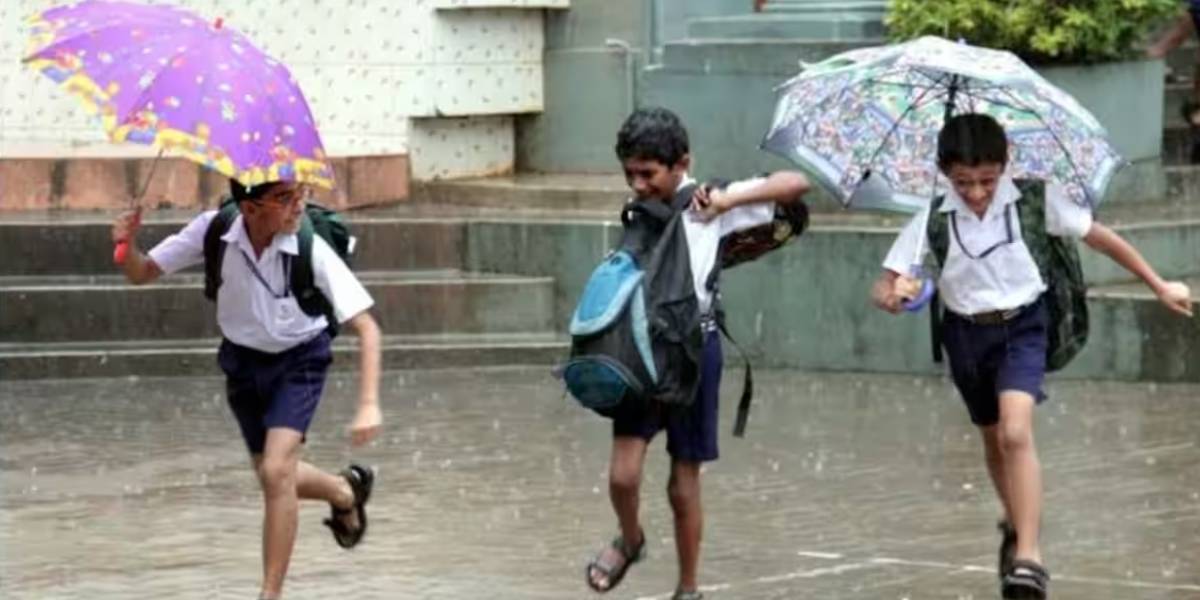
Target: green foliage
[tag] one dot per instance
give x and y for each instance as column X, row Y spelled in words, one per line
column 1039, row 31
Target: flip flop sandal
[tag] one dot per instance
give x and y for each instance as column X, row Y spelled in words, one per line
column 692, row 595
column 1026, row 580
column 1008, row 547
column 361, row 481
column 614, row 573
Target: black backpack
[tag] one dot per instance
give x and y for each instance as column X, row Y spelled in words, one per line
column 636, row 332
column 1058, row 263
column 317, row 220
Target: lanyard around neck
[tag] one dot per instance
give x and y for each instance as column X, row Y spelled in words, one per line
column 287, row 267
column 1007, row 227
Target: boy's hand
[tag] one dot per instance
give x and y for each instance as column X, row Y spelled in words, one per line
column 708, row 202
column 126, row 225
column 907, row 288
column 1177, row 297
column 366, row 424
column 884, row 295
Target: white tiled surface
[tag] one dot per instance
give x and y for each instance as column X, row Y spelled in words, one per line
column 366, row 66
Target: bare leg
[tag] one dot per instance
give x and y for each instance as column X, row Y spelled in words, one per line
column 315, row 484
column 277, row 475
column 684, row 491
column 1022, row 470
column 624, row 487
column 995, row 464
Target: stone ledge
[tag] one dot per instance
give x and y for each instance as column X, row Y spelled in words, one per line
column 107, row 183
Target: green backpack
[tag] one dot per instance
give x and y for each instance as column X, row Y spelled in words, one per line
column 318, row 220
column 1057, row 259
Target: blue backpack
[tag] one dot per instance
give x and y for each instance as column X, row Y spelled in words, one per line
column 636, row 333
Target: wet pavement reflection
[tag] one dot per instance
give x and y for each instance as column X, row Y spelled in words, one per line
column 492, row 484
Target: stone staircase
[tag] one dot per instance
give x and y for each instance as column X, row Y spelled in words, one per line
column 67, row 314
column 485, row 271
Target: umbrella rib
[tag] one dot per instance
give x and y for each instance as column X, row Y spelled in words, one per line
column 985, row 99
column 902, row 84
column 896, row 125
column 1079, row 177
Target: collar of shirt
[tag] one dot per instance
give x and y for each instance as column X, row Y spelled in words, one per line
column 686, row 181
column 283, row 242
column 1006, row 193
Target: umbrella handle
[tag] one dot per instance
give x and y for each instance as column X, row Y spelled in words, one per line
column 121, row 249
column 921, row 299
column 120, row 252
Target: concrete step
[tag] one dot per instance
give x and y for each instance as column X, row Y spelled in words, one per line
column 832, row 25
column 1174, row 95
column 603, row 192
column 1177, row 144
column 1134, row 337
column 778, row 57
column 76, row 309
column 66, row 243
column 816, row 6
column 151, row 358
column 1183, row 186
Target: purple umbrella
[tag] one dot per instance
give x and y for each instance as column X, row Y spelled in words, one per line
column 159, row 75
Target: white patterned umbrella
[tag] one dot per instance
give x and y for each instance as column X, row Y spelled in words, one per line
column 873, row 115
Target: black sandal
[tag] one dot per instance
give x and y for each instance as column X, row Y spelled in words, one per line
column 615, row 573
column 1008, row 547
column 1026, row 580
column 692, row 595
column 361, row 481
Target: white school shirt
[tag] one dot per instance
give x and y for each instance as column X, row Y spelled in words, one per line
column 704, row 239
column 248, row 313
column 1007, row 278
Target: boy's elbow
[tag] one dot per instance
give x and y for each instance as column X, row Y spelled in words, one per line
column 365, row 326
column 796, row 186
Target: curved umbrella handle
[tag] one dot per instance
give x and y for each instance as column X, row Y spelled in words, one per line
column 120, row 252
column 923, row 298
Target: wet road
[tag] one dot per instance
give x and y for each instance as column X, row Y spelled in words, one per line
column 492, row 485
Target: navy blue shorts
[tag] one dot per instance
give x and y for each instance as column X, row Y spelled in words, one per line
column 267, row 390
column 691, row 433
column 988, row 359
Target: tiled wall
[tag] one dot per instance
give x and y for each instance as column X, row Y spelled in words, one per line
column 367, row 68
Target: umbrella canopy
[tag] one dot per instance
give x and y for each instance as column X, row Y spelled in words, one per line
column 865, row 123
column 160, row 75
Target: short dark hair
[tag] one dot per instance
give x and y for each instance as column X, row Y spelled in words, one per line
column 253, row 193
column 652, row 134
column 970, row 140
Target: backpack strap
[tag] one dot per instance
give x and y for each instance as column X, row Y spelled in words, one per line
column 937, row 235
column 303, row 283
column 743, row 410
column 214, row 247
column 1031, row 213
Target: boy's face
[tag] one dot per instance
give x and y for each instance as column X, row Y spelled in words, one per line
column 651, row 179
column 976, row 185
column 280, row 209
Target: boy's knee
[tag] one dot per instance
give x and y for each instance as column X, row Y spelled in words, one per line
column 1015, row 437
column 275, row 473
column 624, row 481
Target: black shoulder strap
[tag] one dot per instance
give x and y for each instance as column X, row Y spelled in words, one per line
column 1031, row 213
column 743, row 410
column 303, row 283
column 937, row 231
column 214, row 248
column 937, row 235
